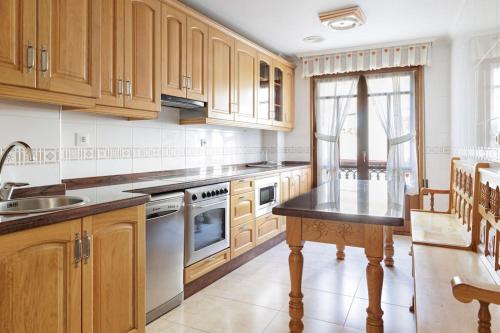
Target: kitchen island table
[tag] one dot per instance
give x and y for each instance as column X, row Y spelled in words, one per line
column 346, row 213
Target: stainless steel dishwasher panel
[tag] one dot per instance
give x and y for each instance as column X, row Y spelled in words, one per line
column 164, row 254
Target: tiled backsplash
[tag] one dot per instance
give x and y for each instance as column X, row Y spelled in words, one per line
column 117, row 146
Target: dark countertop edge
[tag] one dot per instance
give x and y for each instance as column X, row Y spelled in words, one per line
column 209, row 181
column 44, row 219
column 319, row 215
column 100, row 181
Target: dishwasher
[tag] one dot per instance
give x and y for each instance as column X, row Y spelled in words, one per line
column 164, row 254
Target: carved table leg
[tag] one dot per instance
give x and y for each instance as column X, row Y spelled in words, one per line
column 374, row 248
column 389, row 247
column 296, row 263
column 484, row 322
column 296, row 307
column 340, row 251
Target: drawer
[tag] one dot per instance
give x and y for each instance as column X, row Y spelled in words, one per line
column 267, row 227
column 242, row 186
column 242, row 208
column 201, row 268
column 242, row 238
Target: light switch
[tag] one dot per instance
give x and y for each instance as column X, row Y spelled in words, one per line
column 82, row 140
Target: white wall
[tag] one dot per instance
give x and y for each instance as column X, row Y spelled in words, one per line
column 116, row 146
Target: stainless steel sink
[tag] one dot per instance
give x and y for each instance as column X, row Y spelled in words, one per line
column 39, row 204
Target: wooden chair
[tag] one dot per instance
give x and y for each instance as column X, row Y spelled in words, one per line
column 454, row 227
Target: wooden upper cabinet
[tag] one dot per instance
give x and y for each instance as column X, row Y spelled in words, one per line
column 40, row 282
column 264, row 91
column 68, row 46
column 246, row 73
column 288, row 97
column 221, row 75
column 173, row 52
column 114, row 274
column 112, row 56
column 197, row 59
column 18, row 42
column 142, row 84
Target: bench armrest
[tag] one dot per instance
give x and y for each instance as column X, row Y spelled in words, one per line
column 432, row 192
column 466, row 291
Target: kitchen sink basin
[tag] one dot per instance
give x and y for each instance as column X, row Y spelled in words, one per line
column 39, row 204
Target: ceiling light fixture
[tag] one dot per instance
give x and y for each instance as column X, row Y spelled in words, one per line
column 313, row 39
column 343, row 19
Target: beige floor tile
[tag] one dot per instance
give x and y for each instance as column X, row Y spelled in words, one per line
column 215, row 314
column 397, row 319
column 280, row 325
column 326, row 306
column 351, row 330
column 394, row 292
column 333, row 281
column 162, row 325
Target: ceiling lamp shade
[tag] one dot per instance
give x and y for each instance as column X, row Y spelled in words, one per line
column 343, row 19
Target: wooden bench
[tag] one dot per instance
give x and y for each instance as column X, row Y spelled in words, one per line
column 448, row 281
column 453, row 227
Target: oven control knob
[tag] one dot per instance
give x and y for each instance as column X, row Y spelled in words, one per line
column 209, row 194
column 203, row 195
column 225, row 190
column 213, row 193
column 194, row 197
column 217, row 192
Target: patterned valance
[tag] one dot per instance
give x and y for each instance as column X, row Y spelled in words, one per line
column 363, row 60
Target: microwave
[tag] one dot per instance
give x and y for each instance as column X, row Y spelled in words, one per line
column 266, row 195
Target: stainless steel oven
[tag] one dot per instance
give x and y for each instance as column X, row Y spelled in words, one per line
column 207, row 222
column 267, row 195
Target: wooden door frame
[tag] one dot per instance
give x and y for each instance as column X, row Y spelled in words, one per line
column 419, row 113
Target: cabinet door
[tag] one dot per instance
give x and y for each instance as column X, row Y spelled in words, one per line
column 114, row 274
column 286, row 187
column 245, row 58
column 142, row 54
column 266, row 227
column 112, row 67
column 68, row 46
column 40, row 282
column 296, row 180
column 242, row 238
column 288, row 97
column 278, row 84
column 264, row 99
column 197, row 59
column 173, row 52
column 242, row 208
column 220, row 74
column 18, row 42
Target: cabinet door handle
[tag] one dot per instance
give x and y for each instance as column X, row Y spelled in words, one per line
column 30, row 54
column 120, row 87
column 78, row 249
column 45, row 60
column 183, row 81
column 190, row 83
column 86, row 247
column 128, row 88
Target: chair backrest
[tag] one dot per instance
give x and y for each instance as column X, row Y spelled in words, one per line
column 488, row 230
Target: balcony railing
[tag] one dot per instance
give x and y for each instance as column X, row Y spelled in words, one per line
column 376, row 169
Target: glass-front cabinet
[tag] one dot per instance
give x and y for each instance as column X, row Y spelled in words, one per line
column 264, row 112
column 278, row 94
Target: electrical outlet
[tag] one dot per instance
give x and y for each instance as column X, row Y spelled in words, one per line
column 82, row 140
column 203, row 142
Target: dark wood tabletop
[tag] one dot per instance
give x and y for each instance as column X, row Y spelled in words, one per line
column 357, row 201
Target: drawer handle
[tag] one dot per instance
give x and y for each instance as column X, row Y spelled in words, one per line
column 242, row 197
column 212, row 259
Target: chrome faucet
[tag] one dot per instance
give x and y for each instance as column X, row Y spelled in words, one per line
column 7, row 188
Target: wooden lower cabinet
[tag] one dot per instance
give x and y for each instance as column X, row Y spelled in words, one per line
column 242, row 238
column 242, row 186
column 40, row 285
column 45, row 289
column 206, row 265
column 242, row 208
column 266, row 227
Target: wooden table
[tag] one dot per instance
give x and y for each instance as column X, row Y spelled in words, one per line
column 346, row 213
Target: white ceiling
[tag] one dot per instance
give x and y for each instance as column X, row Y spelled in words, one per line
column 280, row 25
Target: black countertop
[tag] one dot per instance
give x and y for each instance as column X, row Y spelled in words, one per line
column 357, row 201
column 102, row 194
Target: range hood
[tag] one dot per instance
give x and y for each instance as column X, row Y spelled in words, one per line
column 180, row 102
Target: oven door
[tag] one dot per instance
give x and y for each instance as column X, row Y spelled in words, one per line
column 207, row 229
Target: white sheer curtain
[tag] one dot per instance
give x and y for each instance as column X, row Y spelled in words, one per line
column 392, row 96
column 333, row 99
